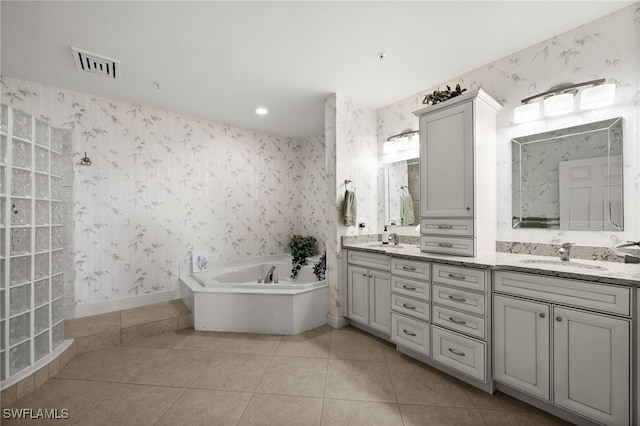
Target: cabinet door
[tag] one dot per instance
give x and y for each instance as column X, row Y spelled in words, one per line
column 380, row 301
column 358, row 294
column 591, row 365
column 521, row 345
column 446, row 162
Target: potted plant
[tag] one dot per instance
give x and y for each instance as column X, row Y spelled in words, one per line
column 442, row 95
column 301, row 248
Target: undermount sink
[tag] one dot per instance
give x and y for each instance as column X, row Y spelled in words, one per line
column 568, row 263
column 390, row 245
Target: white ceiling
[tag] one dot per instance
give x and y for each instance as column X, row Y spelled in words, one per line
column 221, row 60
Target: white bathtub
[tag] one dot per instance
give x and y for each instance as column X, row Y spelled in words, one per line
column 229, row 298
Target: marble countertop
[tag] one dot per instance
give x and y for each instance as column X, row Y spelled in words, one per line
column 591, row 270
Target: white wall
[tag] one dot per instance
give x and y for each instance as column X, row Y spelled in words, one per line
column 608, row 47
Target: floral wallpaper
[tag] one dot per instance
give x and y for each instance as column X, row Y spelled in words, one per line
column 605, row 48
column 162, row 185
column 351, row 153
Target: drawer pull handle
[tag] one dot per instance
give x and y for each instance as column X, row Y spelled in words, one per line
column 457, row 321
column 449, row 245
column 409, row 288
column 409, row 306
column 408, row 268
column 445, row 227
column 455, row 352
column 409, row 333
column 559, row 319
column 457, row 299
column 542, row 315
column 457, row 276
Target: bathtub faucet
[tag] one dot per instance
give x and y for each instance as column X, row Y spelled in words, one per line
column 269, row 277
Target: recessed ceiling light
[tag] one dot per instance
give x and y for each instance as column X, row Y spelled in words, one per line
column 261, row 111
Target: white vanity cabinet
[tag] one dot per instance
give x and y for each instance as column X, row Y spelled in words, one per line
column 459, row 320
column 558, row 349
column 369, row 290
column 458, row 175
column 411, row 310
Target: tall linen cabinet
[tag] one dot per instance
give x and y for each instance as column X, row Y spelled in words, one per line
column 458, row 175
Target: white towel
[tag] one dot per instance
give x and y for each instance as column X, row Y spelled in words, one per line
column 349, row 208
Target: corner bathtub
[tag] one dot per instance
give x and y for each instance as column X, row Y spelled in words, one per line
column 229, row 298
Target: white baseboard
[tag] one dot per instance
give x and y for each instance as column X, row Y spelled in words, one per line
column 119, row 304
column 337, row 322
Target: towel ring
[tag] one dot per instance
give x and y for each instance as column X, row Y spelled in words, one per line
column 347, row 182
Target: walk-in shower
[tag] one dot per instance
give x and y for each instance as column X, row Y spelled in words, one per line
column 31, row 242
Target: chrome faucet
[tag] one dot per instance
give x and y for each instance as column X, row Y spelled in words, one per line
column 268, row 279
column 564, row 251
column 394, row 237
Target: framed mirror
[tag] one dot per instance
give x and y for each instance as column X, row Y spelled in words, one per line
column 402, row 192
column 569, row 178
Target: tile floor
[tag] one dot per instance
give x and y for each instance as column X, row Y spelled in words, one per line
column 321, row 377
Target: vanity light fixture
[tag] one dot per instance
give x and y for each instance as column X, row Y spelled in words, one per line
column 261, row 111
column 406, row 144
column 560, row 100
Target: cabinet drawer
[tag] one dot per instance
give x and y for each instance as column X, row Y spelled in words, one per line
column 460, row 353
column 606, row 298
column 459, row 276
column 410, row 333
column 456, row 227
column 370, row 260
column 417, row 289
column 411, row 268
column 459, row 299
column 411, row 307
column 447, row 245
column 459, row 321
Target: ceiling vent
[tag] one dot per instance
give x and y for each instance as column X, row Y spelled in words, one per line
column 96, row 64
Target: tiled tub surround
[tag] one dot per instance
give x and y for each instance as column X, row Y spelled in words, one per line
column 595, row 297
column 104, row 331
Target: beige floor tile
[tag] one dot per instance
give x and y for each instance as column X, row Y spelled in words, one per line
column 130, row 334
column 133, row 405
column 180, row 308
column 91, row 325
column 118, row 364
column 350, row 344
column 350, row 413
column 315, row 347
column 230, row 371
column 77, row 396
column 162, row 341
column 294, row 376
column 359, row 380
column 177, row 368
column 206, row 407
column 392, row 355
column 520, row 418
column 420, row 384
column 266, row 344
column 497, row 401
column 282, row 410
column 428, row 415
column 146, row 314
column 324, row 330
column 203, row 341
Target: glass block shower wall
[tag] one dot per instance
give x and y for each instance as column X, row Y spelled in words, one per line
column 31, row 240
